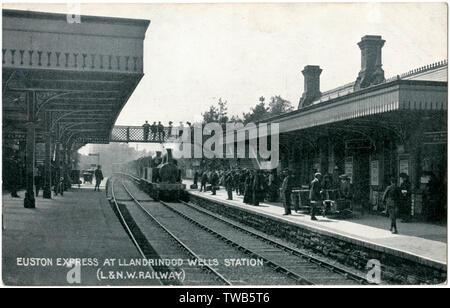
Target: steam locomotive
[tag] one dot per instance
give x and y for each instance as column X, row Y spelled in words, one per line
column 159, row 176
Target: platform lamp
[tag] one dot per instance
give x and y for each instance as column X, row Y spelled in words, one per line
column 98, row 157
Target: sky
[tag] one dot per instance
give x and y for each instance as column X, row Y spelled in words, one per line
column 196, row 53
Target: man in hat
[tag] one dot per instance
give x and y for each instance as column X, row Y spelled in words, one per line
column 170, row 129
column 98, row 177
column 146, row 127
column 405, row 197
column 203, row 181
column 315, row 194
column 273, row 186
column 229, row 184
column 391, row 197
column 154, row 129
column 345, row 189
column 248, row 191
column 258, row 188
column 286, row 191
column 161, row 133
column 214, row 180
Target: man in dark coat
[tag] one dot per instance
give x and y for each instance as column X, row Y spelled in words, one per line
column 273, row 186
column 258, row 188
column 98, row 177
column 392, row 197
column 146, row 128
column 203, row 181
column 315, row 194
column 286, row 191
column 405, row 198
column 214, row 181
column 229, row 184
column 248, row 190
column 345, row 189
column 236, row 177
column 154, row 129
column 242, row 178
column 195, row 178
column 161, row 133
column 169, row 134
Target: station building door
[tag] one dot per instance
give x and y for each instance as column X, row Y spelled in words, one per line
column 361, row 180
column 433, row 181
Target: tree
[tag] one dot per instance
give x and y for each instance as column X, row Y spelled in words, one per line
column 217, row 114
column 257, row 113
column 223, row 111
column 236, row 119
column 278, row 106
column 212, row 115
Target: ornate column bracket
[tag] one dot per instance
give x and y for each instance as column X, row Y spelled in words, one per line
column 57, row 116
column 397, row 128
column 7, row 81
column 15, row 98
column 43, row 98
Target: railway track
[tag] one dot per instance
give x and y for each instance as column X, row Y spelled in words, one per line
column 155, row 242
column 317, row 270
column 206, row 247
column 296, row 266
column 133, row 232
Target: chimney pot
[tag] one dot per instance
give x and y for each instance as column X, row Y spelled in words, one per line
column 311, row 89
column 371, row 72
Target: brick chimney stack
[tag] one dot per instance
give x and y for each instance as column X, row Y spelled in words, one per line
column 311, row 89
column 371, row 72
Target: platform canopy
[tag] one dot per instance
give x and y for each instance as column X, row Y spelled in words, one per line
column 69, row 79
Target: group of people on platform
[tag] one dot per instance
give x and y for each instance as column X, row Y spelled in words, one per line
column 259, row 185
column 254, row 185
column 14, row 177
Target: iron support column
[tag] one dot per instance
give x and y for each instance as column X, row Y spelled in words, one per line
column 57, row 167
column 64, row 168
column 30, row 201
column 47, row 191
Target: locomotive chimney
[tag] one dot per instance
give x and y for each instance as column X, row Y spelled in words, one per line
column 371, row 72
column 169, row 156
column 311, row 89
column 158, row 153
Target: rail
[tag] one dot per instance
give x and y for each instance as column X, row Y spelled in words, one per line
column 279, row 245
column 184, row 246
column 282, row 246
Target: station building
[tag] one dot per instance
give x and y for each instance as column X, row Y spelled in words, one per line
column 372, row 129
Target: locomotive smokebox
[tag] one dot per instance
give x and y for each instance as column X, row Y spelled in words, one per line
column 168, row 171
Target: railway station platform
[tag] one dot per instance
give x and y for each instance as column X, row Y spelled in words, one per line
column 81, row 224
column 422, row 244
